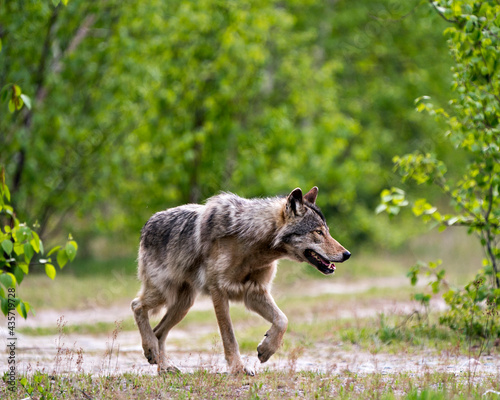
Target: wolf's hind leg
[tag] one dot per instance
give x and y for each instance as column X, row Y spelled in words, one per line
column 231, row 350
column 260, row 300
column 184, row 300
column 149, row 340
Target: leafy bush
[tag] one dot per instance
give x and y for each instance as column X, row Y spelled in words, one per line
column 474, row 40
column 21, row 247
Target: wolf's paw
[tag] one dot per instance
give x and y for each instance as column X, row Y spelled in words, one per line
column 165, row 366
column 266, row 349
column 242, row 369
column 167, row 369
column 151, row 354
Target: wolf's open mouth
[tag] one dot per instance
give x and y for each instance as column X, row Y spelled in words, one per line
column 322, row 264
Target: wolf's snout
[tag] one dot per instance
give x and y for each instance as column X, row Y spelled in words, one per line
column 346, row 255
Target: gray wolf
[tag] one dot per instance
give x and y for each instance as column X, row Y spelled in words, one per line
column 228, row 249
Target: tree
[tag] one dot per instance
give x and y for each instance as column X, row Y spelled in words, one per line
column 473, row 123
column 138, row 107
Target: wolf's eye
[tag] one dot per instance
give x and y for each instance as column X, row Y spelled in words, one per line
column 319, row 232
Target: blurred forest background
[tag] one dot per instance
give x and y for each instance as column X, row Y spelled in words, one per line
column 139, row 106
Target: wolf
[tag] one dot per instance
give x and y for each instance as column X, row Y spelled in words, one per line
column 227, row 248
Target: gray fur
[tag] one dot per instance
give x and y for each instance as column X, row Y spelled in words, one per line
column 227, row 248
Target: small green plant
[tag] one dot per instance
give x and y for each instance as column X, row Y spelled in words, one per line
column 437, row 280
column 41, row 385
column 474, row 310
column 20, row 247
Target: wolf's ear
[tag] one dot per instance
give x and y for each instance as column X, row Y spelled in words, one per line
column 295, row 202
column 311, row 195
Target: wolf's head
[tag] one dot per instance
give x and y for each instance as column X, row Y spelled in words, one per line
column 305, row 235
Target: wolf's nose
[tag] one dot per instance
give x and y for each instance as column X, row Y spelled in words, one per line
column 346, row 255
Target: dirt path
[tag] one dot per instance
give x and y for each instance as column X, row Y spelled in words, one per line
column 103, row 354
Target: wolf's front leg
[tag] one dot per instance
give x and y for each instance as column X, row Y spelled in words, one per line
column 231, row 351
column 260, row 300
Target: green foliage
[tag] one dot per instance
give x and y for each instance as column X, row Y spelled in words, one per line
column 12, row 95
column 437, row 280
column 473, row 127
column 139, row 107
column 474, row 309
column 392, row 201
column 40, row 384
column 21, row 247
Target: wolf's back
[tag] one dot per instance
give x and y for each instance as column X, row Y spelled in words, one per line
column 176, row 243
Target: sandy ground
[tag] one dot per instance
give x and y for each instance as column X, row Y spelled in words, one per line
column 104, row 354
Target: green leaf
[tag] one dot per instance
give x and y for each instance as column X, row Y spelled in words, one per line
column 28, row 307
column 73, row 243
column 6, row 192
column 8, row 280
column 52, row 251
column 21, row 309
column 28, row 252
column 7, row 245
column 50, row 271
column 18, row 248
column 56, row 2
column 62, row 258
column 394, row 210
column 27, row 101
column 380, row 208
column 12, row 106
column 71, row 250
column 4, row 306
column 19, row 274
column 22, row 233
column 35, row 242
column 24, row 267
column 17, row 90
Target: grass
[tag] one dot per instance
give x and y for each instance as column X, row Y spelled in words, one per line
column 82, row 285
column 268, row 385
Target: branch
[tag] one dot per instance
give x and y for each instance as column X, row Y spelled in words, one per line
column 80, row 34
column 451, row 21
column 442, row 185
column 39, row 78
